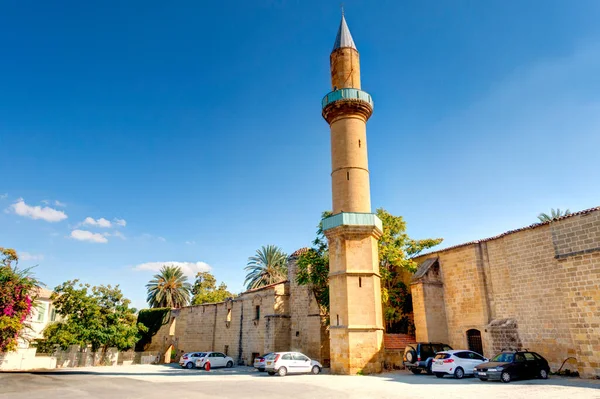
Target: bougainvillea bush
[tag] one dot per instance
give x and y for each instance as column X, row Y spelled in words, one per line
column 18, row 290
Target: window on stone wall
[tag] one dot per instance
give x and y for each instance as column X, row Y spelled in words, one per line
column 53, row 314
column 229, row 315
column 257, row 314
column 226, row 350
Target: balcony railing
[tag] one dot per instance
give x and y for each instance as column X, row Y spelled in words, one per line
column 346, row 94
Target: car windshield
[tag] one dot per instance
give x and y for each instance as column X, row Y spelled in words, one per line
column 202, row 354
column 443, row 355
column 504, row 357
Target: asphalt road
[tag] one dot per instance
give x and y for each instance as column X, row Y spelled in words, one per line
column 170, row 382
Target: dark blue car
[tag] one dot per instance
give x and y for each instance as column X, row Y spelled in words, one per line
column 510, row 365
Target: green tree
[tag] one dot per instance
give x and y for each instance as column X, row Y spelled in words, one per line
column 169, row 288
column 554, row 214
column 396, row 253
column 18, row 291
column 268, row 266
column 97, row 316
column 205, row 290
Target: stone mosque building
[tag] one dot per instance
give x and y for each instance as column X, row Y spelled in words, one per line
column 536, row 287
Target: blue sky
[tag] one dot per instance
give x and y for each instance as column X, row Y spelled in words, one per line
column 191, row 131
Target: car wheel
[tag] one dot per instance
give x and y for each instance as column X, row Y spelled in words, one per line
column 411, row 356
column 415, row 371
column 189, row 365
column 282, row 371
column 543, row 374
column 439, row 375
column 459, row 373
column 271, row 373
column 315, row 370
column 505, row 376
column 229, row 364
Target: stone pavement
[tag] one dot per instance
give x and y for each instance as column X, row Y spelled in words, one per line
column 170, row 382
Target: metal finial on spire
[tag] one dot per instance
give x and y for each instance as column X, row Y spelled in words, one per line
column 342, row 5
column 343, row 38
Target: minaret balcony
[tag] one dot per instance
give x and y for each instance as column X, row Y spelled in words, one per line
column 346, row 94
column 346, row 101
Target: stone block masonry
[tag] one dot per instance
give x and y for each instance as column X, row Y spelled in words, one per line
column 537, row 288
column 279, row 317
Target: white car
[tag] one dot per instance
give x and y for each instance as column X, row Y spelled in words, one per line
column 283, row 363
column 456, row 362
column 216, row 359
column 188, row 360
column 259, row 362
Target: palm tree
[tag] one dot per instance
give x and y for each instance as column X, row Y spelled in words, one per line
column 554, row 214
column 268, row 266
column 169, row 288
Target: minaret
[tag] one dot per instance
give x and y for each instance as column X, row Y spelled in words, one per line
column 356, row 327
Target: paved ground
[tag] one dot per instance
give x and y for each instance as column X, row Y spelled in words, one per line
column 169, row 382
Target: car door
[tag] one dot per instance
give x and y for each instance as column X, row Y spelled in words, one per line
column 301, row 363
column 222, row 361
column 533, row 368
column 520, row 368
column 287, row 361
column 463, row 361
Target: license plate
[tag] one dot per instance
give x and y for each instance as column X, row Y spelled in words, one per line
column 439, row 362
column 481, row 373
column 269, row 363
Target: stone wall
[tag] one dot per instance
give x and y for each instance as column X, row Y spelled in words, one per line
column 234, row 326
column 536, row 288
column 288, row 318
column 309, row 332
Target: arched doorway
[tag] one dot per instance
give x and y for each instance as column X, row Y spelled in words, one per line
column 474, row 341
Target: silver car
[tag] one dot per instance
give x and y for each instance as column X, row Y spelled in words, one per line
column 216, row 359
column 283, row 363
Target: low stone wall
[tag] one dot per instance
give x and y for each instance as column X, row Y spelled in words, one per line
column 25, row 359
column 28, row 359
column 394, row 350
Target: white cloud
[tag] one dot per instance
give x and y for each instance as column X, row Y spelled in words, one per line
column 84, row 235
column 191, row 242
column 89, row 221
column 27, row 256
column 45, row 202
column 163, row 239
column 119, row 234
column 58, row 203
column 3, row 196
column 37, row 212
column 120, row 222
column 188, row 268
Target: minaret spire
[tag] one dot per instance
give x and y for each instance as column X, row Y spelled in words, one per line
column 343, row 38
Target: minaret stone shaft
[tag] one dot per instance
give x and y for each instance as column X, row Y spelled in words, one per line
column 356, row 327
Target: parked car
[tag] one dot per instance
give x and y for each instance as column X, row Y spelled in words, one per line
column 188, row 360
column 510, row 365
column 259, row 362
column 456, row 362
column 419, row 356
column 216, row 359
column 283, row 363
